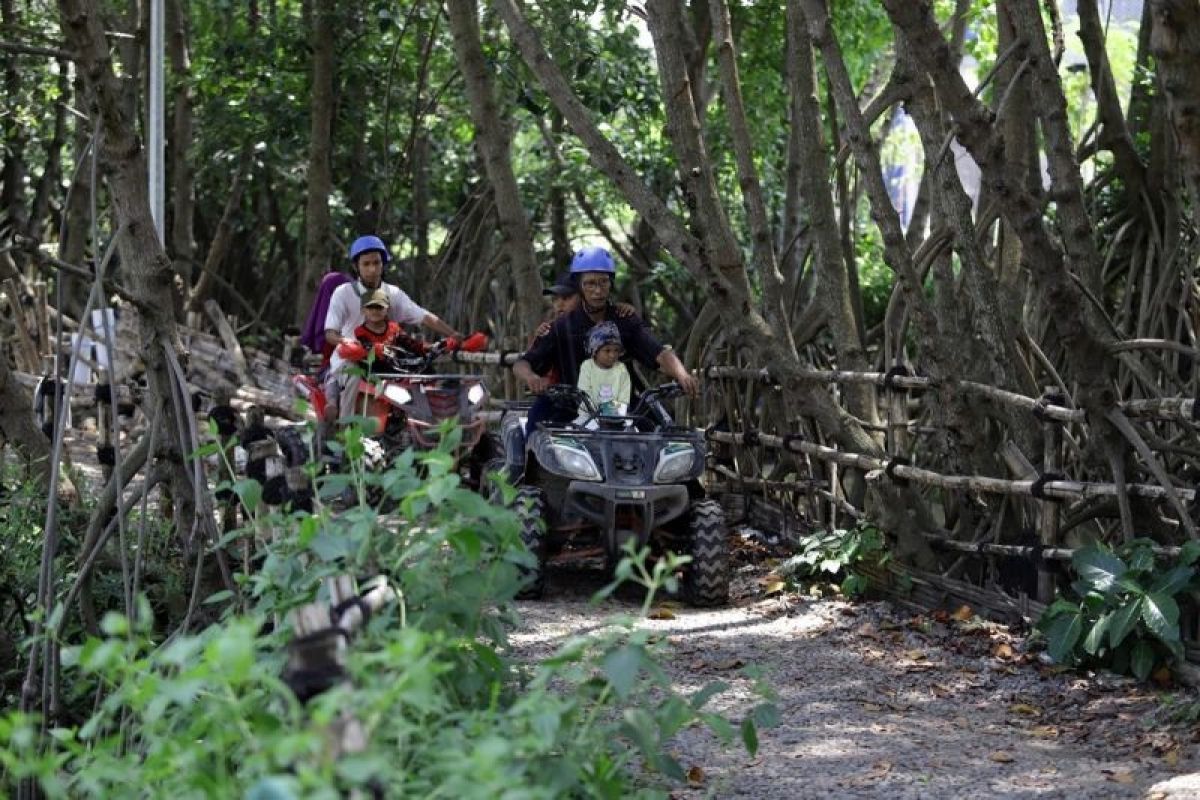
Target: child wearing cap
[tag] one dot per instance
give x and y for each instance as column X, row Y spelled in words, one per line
column 378, row 332
column 603, row 377
column 375, row 333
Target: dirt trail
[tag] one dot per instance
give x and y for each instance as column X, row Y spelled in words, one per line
column 879, row 703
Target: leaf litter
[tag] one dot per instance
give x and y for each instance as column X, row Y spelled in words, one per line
column 878, row 703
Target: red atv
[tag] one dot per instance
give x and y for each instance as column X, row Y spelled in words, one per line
column 402, row 402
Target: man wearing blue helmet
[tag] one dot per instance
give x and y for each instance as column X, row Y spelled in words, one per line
column 368, row 257
column 564, row 345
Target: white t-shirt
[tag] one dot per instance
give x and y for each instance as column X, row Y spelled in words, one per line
column 345, row 312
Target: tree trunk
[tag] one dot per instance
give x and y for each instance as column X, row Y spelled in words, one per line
column 50, row 183
column 832, row 291
column 1175, row 42
column 317, row 245
column 17, row 428
column 493, row 140
column 762, row 240
column 12, row 175
column 183, row 190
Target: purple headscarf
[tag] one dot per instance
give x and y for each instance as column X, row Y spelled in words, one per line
column 313, row 336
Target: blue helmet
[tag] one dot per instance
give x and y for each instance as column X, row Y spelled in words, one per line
column 592, row 259
column 603, row 333
column 365, row 244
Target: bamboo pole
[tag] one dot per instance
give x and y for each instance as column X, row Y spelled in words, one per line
column 1067, row 489
column 41, row 316
column 1048, row 509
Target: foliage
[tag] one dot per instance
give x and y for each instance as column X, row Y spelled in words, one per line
column 1122, row 612
column 838, row 554
column 22, row 527
column 447, row 709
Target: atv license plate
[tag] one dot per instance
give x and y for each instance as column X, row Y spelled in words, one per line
column 631, row 494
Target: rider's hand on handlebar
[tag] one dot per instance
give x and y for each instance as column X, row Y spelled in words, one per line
column 689, row 384
column 351, row 350
column 537, row 384
column 477, row 342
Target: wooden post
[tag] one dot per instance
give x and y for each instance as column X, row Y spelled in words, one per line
column 41, row 311
column 1048, row 509
column 898, row 438
column 105, row 416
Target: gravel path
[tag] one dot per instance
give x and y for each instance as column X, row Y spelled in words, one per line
column 879, row 703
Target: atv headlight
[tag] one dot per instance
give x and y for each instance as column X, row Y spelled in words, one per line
column 476, row 394
column 575, row 461
column 397, row 394
column 675, row 463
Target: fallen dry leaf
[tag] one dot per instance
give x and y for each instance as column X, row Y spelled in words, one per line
column 916, row 655
column 1026, row 709
column 774, row 586
column 1120, row 776
column 695, row 776
column 661, row 613
column 1162, row 676
column 1044, row 731
column 1171, row 758
column 1002, row 757
column 732, row 663
column 962, row 614
column 1003, row 651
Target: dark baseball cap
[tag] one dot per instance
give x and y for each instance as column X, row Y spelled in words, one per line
column 563, row 287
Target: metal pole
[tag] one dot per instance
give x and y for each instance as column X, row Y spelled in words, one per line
column 155, row 125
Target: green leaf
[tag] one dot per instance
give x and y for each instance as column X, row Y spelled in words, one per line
column 1160, row 612
column 309, row 526
column 217, row 597
column 1123, row 621
column 1173, row 581
column 1098, row 568
column 831, row 565
column 707, row 693
column 621, row 667
column 749, row 736
column 114, row 624
column 719, row 725
column 249, row 491
column 1141, row 560
column 329, row 545
column 1095, row 637
column 765, row 715
column 1062, row 634
column 1141, row 660
column 1189, row 552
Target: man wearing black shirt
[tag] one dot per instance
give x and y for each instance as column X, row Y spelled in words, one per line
column 564, row 345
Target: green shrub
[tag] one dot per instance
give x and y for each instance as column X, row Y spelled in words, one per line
column 836, row 554
column 1121, row 612
column 446, row 708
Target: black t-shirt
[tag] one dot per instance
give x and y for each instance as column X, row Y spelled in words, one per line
column 565, row 344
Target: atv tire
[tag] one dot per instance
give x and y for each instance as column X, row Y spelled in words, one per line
column 706, row 578
column 531, row 511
